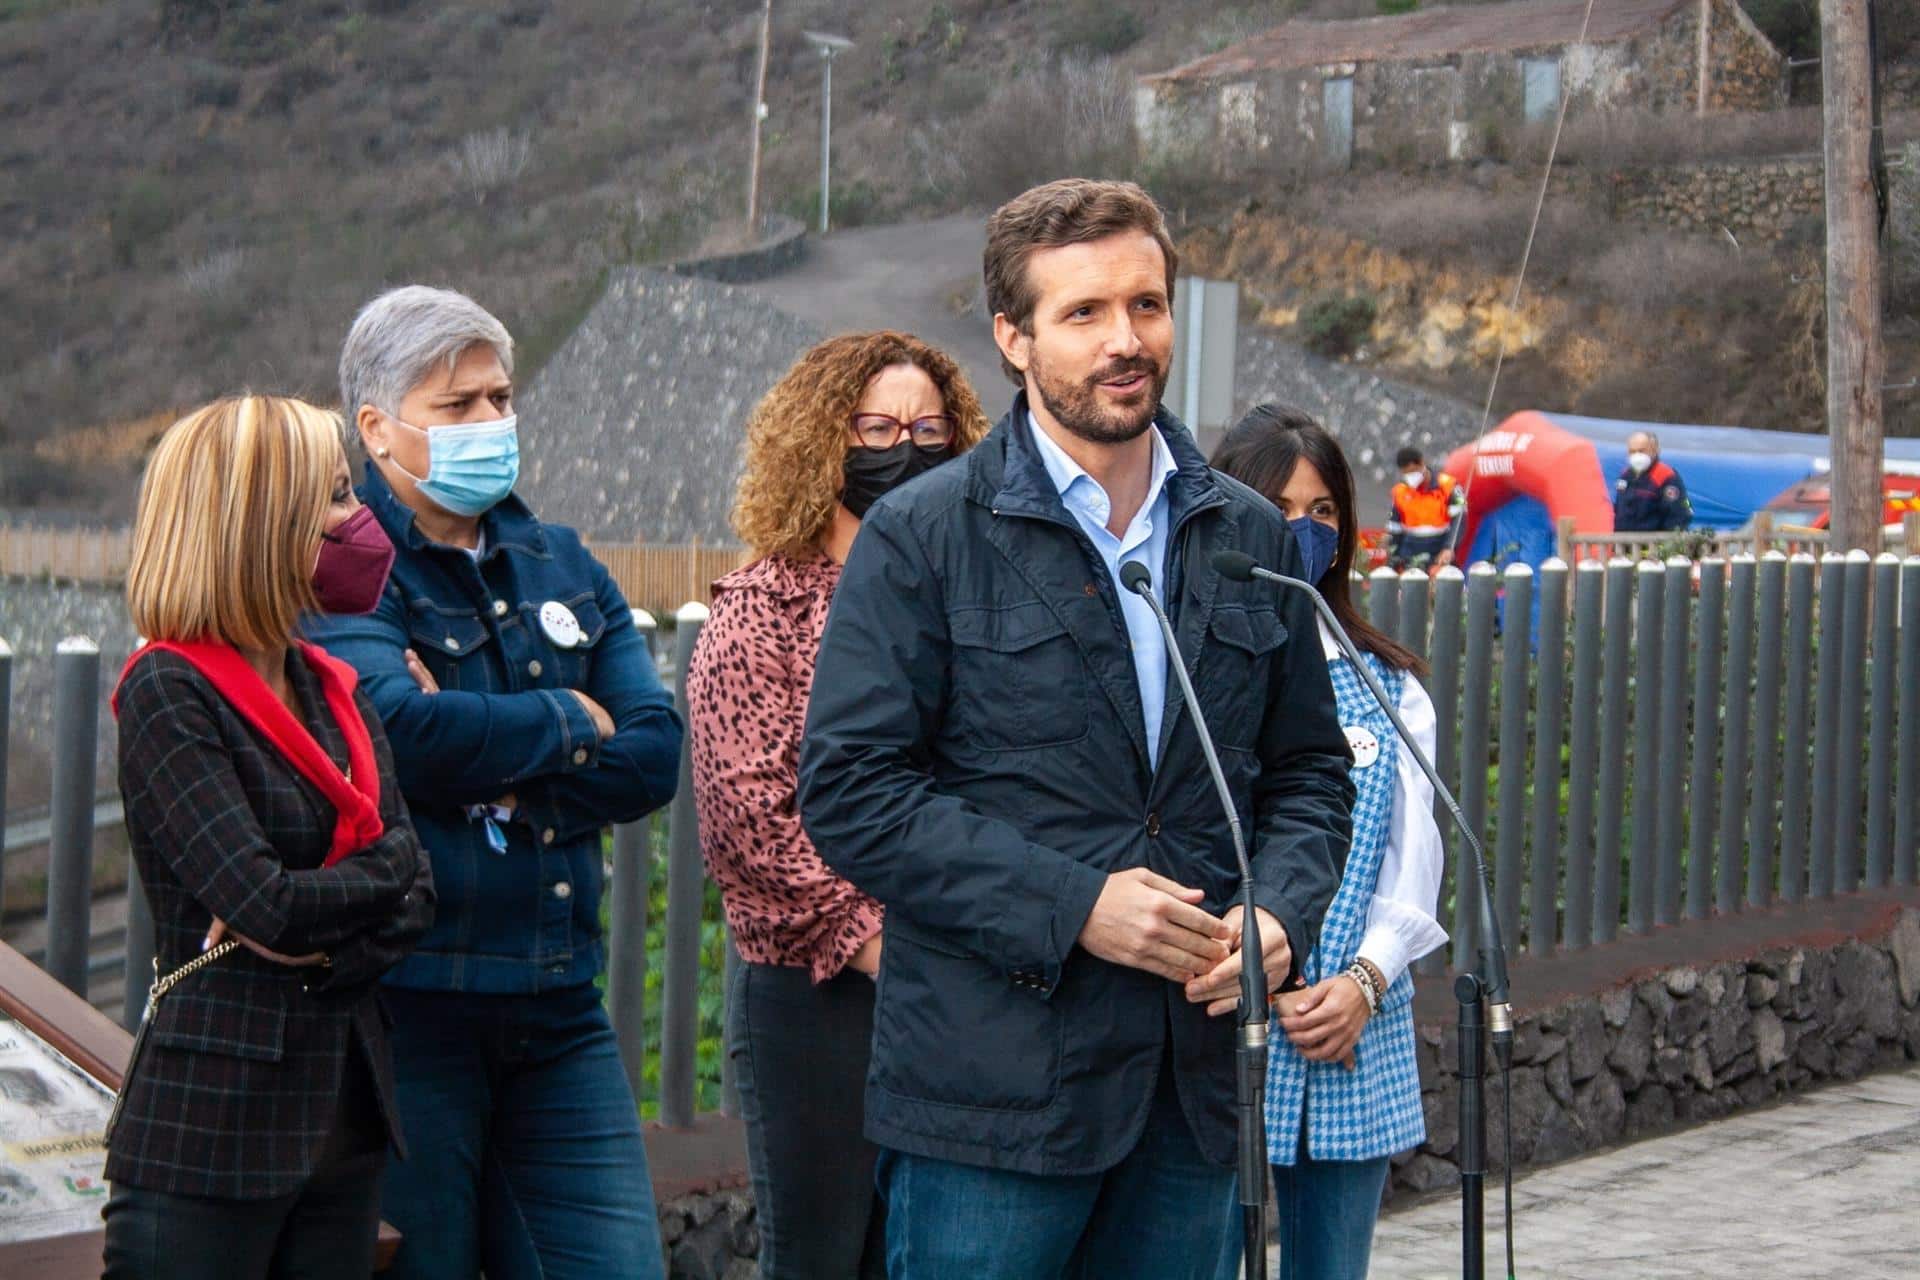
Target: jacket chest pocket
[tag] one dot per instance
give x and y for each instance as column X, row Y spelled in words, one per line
column 1242, row 646
column 1018, row 678
column 572, row 664
column 449, row 642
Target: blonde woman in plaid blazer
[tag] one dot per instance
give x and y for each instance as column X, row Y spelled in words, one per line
column 1343, row 1092
column 254, row 1124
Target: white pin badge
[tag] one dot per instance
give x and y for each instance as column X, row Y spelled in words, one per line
column 1364, row 746
column 560, row 625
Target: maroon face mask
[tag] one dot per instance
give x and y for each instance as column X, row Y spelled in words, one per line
column 352, row 567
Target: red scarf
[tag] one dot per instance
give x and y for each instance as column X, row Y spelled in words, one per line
column 355, row 795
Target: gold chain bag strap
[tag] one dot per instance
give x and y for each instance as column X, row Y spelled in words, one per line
column 162, row 983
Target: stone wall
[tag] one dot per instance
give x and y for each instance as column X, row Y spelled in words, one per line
column 1744, row 71
column 1765, row 198
column 1679, row 1045
column 711, row 1237
column 785, row 242
column 632, row 432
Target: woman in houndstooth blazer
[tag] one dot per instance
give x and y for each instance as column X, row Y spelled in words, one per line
column 1343, row 1093
column 275, row 852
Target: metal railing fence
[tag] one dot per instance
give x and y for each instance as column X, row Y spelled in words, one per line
column 1643, row 744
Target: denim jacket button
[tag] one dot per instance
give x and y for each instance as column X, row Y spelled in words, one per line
column 534, row 668
column 563, row 890
column 452, row 644
column 499, row 608
column 580, row 755
column 546, row 837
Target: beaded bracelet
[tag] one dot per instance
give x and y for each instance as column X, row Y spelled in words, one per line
column 1364, row 980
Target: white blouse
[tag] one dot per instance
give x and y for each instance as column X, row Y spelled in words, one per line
column 1401, row 926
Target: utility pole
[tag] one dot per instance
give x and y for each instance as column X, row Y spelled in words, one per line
column 1856, row 361
column 759, row 114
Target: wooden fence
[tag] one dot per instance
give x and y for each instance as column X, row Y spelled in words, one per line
column 656, row 577
column 80, row 555
column 1760, row 537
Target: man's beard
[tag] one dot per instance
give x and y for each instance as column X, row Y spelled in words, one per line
column 1076, row 405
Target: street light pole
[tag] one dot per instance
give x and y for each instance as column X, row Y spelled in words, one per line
column 828, row 47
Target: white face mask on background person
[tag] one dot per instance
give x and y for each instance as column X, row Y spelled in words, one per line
column 1639, row 460
column 1413, row 478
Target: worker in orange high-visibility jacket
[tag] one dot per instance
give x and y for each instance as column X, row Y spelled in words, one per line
column 1428, row 507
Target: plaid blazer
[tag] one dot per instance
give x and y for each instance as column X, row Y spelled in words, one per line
column 236, row 1087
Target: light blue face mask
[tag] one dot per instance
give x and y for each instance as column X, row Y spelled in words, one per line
column 470, row 466
column 1318, row 541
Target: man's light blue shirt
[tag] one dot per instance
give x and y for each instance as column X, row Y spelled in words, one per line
column 1145, row 540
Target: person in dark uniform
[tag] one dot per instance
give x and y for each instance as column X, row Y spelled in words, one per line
column 1649, row 496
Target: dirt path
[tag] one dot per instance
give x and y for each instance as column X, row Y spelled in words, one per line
column 923, row 277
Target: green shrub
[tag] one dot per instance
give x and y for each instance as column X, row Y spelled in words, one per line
column 853, row 203
column 142, row 214
column 211, row 85
column 1398, row 6
column 1090, row 27
column 1334, row 326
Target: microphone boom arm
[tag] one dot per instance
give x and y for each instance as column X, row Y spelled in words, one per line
column 1493, row 955
column 1250, row 1076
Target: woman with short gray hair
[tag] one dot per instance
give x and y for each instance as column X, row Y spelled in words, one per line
column 525, row 716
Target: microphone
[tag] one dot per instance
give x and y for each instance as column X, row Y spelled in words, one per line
column 1251, row 1079
column 1241, row 567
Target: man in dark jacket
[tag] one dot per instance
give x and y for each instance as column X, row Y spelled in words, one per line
column 1649, row 496
column 996, row 751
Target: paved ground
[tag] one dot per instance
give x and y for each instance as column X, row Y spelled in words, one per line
column 914, row 276
column 1827, row 1184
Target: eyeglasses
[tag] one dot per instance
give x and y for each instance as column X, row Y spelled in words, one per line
column 883, row 431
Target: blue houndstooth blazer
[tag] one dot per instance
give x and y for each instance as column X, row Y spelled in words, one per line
column 1373, row 1110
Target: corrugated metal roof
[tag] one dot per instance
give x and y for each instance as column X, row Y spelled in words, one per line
column 1430, row 33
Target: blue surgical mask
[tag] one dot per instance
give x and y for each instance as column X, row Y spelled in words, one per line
column 1318, row 541
column 470, row 465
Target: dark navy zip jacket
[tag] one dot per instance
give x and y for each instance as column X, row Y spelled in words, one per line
column 975, row 758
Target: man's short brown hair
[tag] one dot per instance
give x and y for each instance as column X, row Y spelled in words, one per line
column 1070, row 211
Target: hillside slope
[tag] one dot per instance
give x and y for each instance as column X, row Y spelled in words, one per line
column 196, row 194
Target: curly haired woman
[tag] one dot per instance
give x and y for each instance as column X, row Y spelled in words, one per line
column 857, row 416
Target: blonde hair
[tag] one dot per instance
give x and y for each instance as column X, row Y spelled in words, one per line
column 797, row 438
column 231, row 510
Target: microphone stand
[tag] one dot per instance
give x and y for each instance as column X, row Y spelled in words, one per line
column 1488, row 983
column 1250, row 1076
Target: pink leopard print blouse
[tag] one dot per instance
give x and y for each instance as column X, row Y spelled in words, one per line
column 747, row 687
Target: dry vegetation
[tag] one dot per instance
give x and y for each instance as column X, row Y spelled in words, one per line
column 195, row 194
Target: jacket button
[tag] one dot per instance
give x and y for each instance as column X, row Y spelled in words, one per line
column 499, row 608
column 580, row 755
column 546, row 837
column 1153, row 824
column 1091, row 590
column 534, row 668
column 453, row 645
column 563, row 890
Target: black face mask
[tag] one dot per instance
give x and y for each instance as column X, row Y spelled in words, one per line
column 872, row 472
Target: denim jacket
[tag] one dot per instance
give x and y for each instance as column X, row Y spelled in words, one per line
column 526, row 919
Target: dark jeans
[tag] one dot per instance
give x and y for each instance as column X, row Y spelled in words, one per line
column 324, row 1231
column 1326, row 1210
column 800, row 1059
column 1162, row 1213
column 525, row 1157
column 1411, row 550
